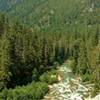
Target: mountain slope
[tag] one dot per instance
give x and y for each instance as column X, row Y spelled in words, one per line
column 50, row 14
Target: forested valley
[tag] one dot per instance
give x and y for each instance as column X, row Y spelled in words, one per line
column 29, row 54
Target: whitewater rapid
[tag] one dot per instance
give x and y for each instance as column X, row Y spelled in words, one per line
column 69, row 87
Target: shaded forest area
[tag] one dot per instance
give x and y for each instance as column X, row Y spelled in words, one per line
column 24, row 51
column 28, row 53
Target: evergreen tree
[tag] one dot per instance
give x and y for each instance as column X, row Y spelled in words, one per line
column 5, row 62
column 82, row 66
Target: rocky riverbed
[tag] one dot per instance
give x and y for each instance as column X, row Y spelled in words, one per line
column 69, row 88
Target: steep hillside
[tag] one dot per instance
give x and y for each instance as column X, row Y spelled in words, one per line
column 53, row 32
column 51, row 14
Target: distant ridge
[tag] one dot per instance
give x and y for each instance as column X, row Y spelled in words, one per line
column 50, row 14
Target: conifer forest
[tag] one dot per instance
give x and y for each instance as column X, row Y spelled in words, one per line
column 37, row 37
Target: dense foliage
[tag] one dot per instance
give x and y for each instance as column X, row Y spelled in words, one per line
column 33, row 91
column 24, row 50
column 27, row 53
column 49, row 77
column 52, row 15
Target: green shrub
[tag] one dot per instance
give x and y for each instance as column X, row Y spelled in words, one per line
column 86, row 77
column 49, row 77
column 96, row 89
column 33, row 91
column 55, row 65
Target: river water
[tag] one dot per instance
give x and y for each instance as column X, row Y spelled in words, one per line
column 69, row 87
